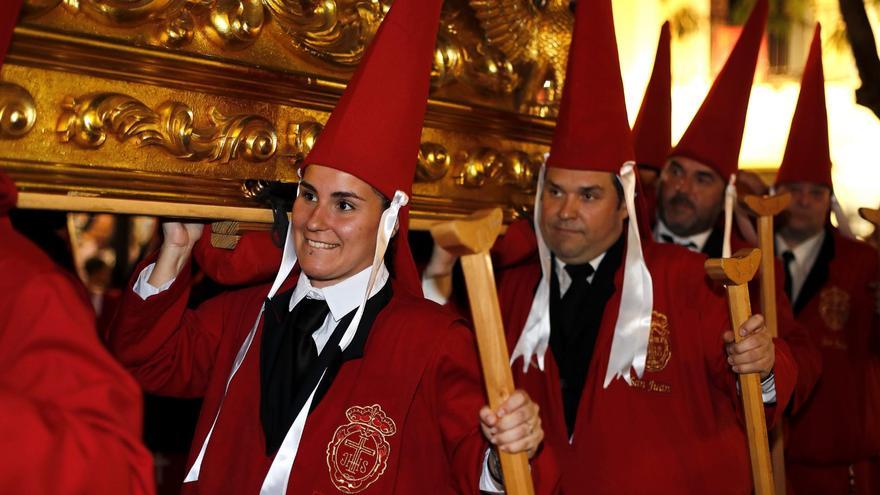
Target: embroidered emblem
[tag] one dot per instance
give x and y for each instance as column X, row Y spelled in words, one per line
column 834, row 307
column 358, row 453
column 659, row 350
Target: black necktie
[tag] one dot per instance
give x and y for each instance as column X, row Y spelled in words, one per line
column 668, row 239
column 574, row 338
column 580, row 276
column 287, row 354
column 788, row 258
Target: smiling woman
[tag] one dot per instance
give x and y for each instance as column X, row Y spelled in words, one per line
column 393, row 379
column 335, row 218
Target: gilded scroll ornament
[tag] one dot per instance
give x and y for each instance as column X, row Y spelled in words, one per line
column 301, row 137
column 536, row 34
column 17, row 111
column 484, row 166
column 120, row 13
column 235, row 24
column 332, row 30
column 86, row 121
column 433, row 162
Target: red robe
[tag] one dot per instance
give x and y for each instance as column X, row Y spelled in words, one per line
column 419, row 367
column 840, row 425
column 679, row 429
column 71, row 416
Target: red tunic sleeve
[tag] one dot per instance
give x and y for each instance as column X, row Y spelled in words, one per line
column 715, row 320
column 452, row 386
column 169, row 348
column 71, row 416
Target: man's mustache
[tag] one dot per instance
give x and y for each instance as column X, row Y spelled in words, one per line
column 682, row 200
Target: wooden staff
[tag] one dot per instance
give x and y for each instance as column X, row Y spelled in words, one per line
column 236, row 219
column 735, row 273
column 871, row 215
column 765, row 208
column 471, row 238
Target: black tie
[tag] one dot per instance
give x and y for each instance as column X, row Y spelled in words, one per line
column 668, row 239
column 574, row 339
column 286, row 355
column 788, row 258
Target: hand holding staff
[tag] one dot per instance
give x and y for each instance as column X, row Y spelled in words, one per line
column 767, row 207
column 471, row 239
column 735, row 273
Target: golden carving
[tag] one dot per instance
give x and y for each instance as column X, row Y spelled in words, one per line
column 659, row 350
column 18, row 112
column 124, row 12
column 87, row 120
column 301, row 138
column 235, row 24
column 536, row 34
column 510, row 47
column 330, row 30
column 486, row 165
column 433, row 162
column 834, row 306
column 177, row 31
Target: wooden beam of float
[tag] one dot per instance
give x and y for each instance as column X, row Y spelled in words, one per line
column 765, row 208
column 471, row 239
column 735, row 273
column 247, row 218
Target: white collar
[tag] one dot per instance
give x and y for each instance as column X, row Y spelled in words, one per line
column 699, row 239
column 560, row 265
column 805, row 253
column 342, row 297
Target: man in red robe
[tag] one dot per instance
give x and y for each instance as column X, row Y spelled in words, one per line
column 835, row 437
column 71, row 416
column 342, row 379
column 691, row 201
column 638, row 392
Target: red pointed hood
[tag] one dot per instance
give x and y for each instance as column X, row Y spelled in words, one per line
column 807, row 156
column 652, row 132
column 715, row 134
column 592, row 130
column 374, row 132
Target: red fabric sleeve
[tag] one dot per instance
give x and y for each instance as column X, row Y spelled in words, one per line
column 71, row 416
column 255, row 259
column 452, row 384
column 168, row 348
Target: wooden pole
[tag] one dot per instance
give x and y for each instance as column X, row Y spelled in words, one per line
column 767, row 207
column 735, row 273
column 871, row 215
column 471, row 239
column 246, row 218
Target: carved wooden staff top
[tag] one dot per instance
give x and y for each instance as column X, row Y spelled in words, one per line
column 735, row 273
column 471, row 239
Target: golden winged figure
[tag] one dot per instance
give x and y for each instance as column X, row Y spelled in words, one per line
column 534, row 33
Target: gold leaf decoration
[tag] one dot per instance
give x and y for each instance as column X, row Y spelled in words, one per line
column 86, row 121
column 330, row 30
column 18, row 112
column 301, row 138
column 235, row 24
column 433, row 162
column 487, row 166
